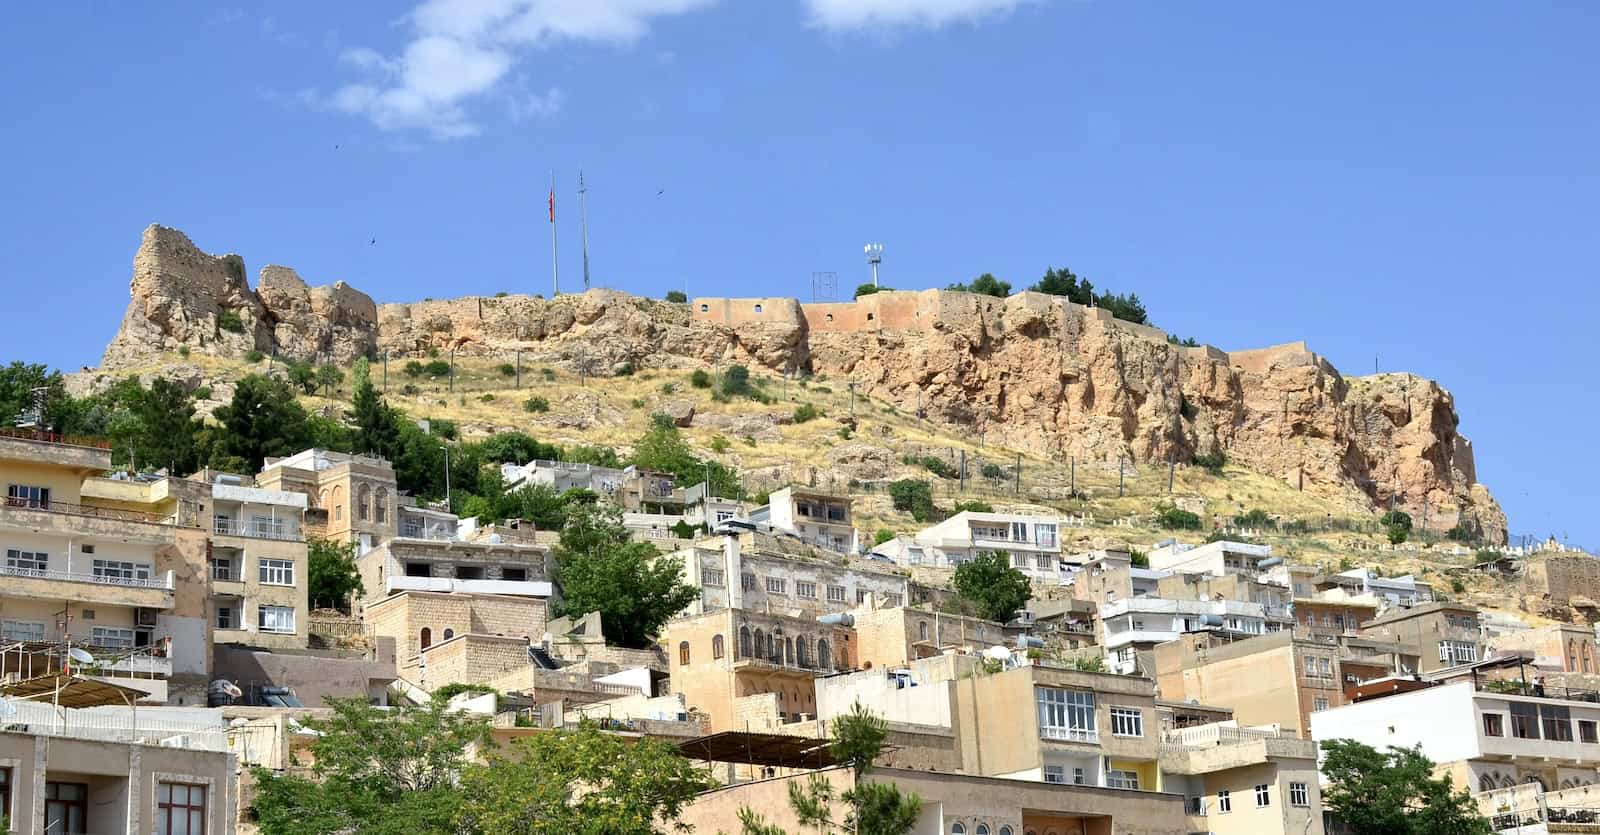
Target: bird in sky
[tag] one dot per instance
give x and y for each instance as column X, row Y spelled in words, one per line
column 373, row 242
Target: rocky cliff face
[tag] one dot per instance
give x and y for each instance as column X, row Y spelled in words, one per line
column 1031, row 372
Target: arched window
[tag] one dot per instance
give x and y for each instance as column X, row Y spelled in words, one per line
column 717, row 649
column 322, row 499
column 802, row 652
column 363, row 502
column 922, row 631
column 824, row 657
column 704, row 308
column 983, row 829
column 788, row 650
column 1572, row 655
column 449, row 633
column 1588, row 657
column 338, row 503
column 758, row 308
column 1569, row 783
column 1507, row 783
column 761, row 646
column 1005, row 830
column 426, row 637
column 380, row 506
column 1486, row 783
column 746, row 646
column 683, row 652
column 1536, row 780
column 775, row 648
column 958, row 828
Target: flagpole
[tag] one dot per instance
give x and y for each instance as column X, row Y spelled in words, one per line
column 555, row 270
column 583, row 211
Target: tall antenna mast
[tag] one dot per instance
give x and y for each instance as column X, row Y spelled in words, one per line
column 555, row 274
column 583, row 211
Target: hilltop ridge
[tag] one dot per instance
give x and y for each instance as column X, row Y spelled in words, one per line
column 1030, row 372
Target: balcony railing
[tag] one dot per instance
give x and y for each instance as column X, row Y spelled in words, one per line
column 424, row 532
column 53, row 438
column 1515, row 687
column 1065, row 734
column 254, row 529
column 53, row 506
column 162, row 583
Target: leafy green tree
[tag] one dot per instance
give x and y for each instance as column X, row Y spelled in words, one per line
column 17, row 382
column 1396, row 517
column 375, row 772
column 581, row 782
column 700, row 379
column 377, row 426
column 677, row 297
column 262, row 420
column 869, row 289
column 998, row 590
column 599, row 456
column 158, row 426
column 1397, row 533
column 913, row 496
column 974, row 506
column 329, row 376
column 986, row 285
column 333, row 574
column 993, row 471
column 1063, row 282
column 736, row 382
column 303, row 376
column 1212, row 462
column 663, row 449
column 883, row 535
column 630, row 584
column 1138, row 559
column 517, row 448
column 1172, row 518
column 1393, row 792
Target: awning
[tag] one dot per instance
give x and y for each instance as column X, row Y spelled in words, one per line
column 72, row 691
column 780, row 750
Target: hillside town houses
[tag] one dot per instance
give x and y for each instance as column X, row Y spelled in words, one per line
column 1179, row 690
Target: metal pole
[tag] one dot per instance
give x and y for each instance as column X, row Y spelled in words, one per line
column 1172, row 468
column 519, row 368
column 555, row 270
column 963, row 474
column 385, row 372
column 583, row 211
column 447, row 475
column 1019, row 474
column 1119, row 476
column 1074, row 482
column 452, row 369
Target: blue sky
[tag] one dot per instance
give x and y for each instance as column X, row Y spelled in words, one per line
column 1411, row 182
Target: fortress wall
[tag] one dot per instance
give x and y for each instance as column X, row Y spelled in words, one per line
column 1259, row 360
column 893, row 309
column 768, row 310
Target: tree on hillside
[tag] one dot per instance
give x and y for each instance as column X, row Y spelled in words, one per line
column 912, row 496
column 994, row 587
column 263, row 420
column 582, row 782
column 1064, row 283
column 986, row 285
column 677, row 297
column 333, row 576
column 377, row 425
column 1394, row 793
column 17, row 382
column 517, row 448
column 633, row 587
column 663, row 449
column 869, row 289
column 374, row 772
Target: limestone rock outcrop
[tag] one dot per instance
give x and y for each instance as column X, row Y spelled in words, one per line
column 1030, row 372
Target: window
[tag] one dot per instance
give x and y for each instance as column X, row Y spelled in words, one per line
column 824, row 655
column 1494, row 724
column 718, row 647
column 1458, row 652
column 1586, row 731
column 1055, row 774
column 449, row 633
column 120, row 570
column 222, row 568
column 469, row 572
column 111, row 636
column 1325, row 666
column 683, row 652
column 1224, row 802
column 380, row 505
column 1077, row 775
column 1524, row 720
column 276, row 572
column 1263, row 798
column 22, row 630
column 27, row 495
column 514, row 575
column 1019, row 560
column 1319, row 703
column 922, row 630
column 746, row 645
column 227, row 617
column 1005, row 830
column 1557, row 721
column 983, row 829
column 1298, row 795
column 1045, row 535
column 5, row 791
column 958, row 828
column 180, row 809
column 777, row 585
column 275, row 619
column 66, row 806
column 1066, row 714
column 1127, row 721
column 892, row 598
column 1311, row 666
column 27, row 562
column 861, row 596
column 747, row 582
column 1116, row 778
column 758, row 308
column 836, row 594
column 713, row 577
column 363, row 502
column 807, row 590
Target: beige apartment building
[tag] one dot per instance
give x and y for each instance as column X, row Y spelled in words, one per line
column 1243, row 781
column 759, row 572
column 1563, row 647
column 748, row 670
column 816, row 517
column 495, row 560
column 896, row 636
column 460, row 637
column 352, row 497
column 1440, row 634
column 121, row 579
column 258, row 565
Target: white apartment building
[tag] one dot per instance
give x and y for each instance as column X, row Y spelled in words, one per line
column 1216, row 558
column 1404, row 590
column 1031, row 543
column 1140, row 623
column 816, row 517
column 565, row 475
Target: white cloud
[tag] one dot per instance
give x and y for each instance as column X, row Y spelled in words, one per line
column 931, row 14
column 461, row 50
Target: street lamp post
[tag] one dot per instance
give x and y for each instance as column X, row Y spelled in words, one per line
column 874, row 257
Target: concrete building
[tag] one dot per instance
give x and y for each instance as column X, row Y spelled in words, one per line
column 1030, row 543
column 1557, row 647
column 1243, row 781
column 763, row 573
column 1402, row 591
column 503, row 562
column 1111, row 576
column 817, row 517
column 1332, row 618
column 257, row 565
column 961, row 804
column 94, row 562
column 629, row 488
column 458, row 637
column 752, row 671
column 1440, row 634
column 351, row 497
column 1137, row 625
column 1215, row 558
column 1278, row 679
column 896, row 636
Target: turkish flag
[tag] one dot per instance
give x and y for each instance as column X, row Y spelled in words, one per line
column 552, row 205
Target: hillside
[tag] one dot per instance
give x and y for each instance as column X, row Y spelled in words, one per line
column 934, row 373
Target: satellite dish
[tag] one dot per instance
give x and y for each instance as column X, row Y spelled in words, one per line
column 998, row 653
column 81, row 656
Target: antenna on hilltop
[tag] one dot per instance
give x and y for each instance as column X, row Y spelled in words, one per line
column 874, row 257
column 824, row 286
column 583, row 211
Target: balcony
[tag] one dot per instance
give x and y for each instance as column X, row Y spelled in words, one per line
column 253, row 529
column 48, row 584
column 519, row 588
column 431, row 533
column 78, row 520
column 1059, row 733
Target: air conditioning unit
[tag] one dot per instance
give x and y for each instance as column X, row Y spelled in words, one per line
column 145, row 617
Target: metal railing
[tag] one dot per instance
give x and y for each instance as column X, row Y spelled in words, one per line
column 53, row 438
column 1518, row 687
column 254, row 529
column 1058, row 732
column 53, row 506
column 163, row 584
column 427, row 532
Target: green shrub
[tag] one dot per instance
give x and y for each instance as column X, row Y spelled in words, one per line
column 235, row 267
column 719, row 444
column 1212, row 462
column 883, row 535
column 229, row 320
column 1396, row 517
column 1398, row 533
column 845, row 432
column 1464, row 532
column 677, row 297
column 932, row 464
column 486, row 398
column 433, row 352
column 1256, row 518
column 502, row 294
column 1457, row 586
column 253, row 355
column 637, row 403
column 1173, row 518
column 549, row 375
column 868, row 289
column 409, row 389
column 624, row 370
column 993, row 471
column 669, row 388
column 974, row 506
column 414, row 369
column 914, row 497
column 202, row 393
column 508, row 369
column 183, row 351
column 536, row 404
column 437, row 368
column 806, row 412
column 700, row 379
column 736, row 382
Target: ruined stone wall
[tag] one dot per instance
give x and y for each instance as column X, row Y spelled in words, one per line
column 1564, row 578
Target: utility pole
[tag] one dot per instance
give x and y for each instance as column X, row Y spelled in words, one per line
column 1019, row 474
column 583, row 212
column 446, row 472
column 1119, row 476
column 452, row 369
column 852, row 398
column 1172, row 469
column 555, row 270
column 963, row 474
column 519, row 368
column 385, row 372
column 1073, row 483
